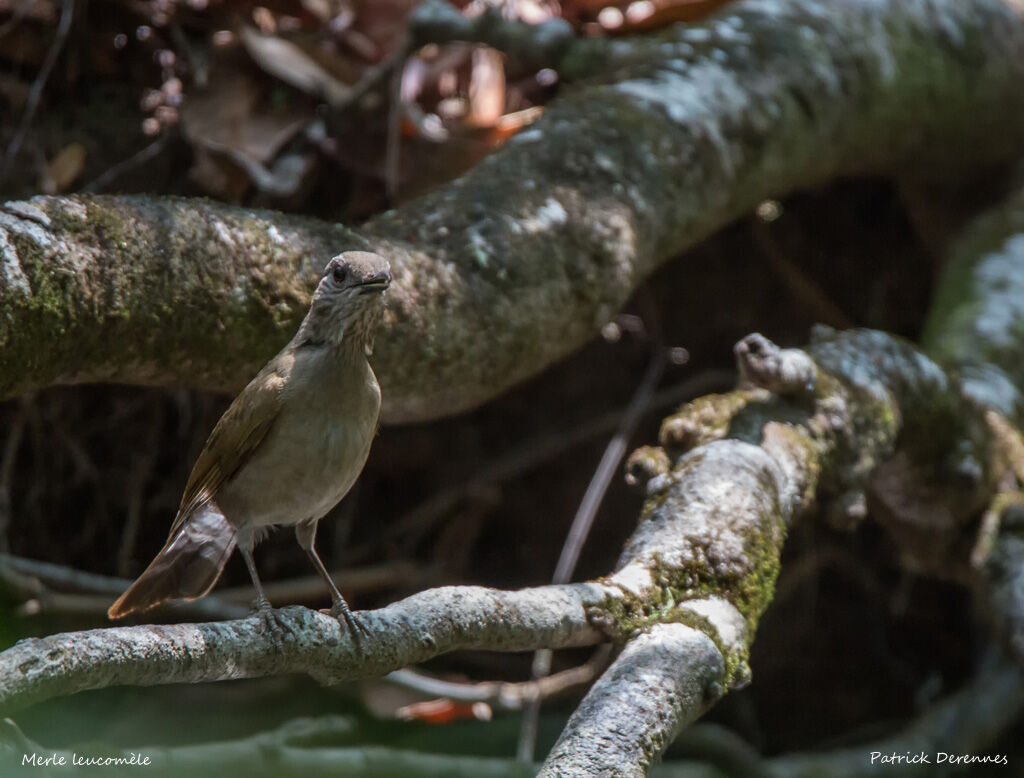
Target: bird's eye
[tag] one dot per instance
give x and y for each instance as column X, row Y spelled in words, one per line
column 339, row 274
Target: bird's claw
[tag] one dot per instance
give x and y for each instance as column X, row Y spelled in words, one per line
column 273, row 620
column 342, row 614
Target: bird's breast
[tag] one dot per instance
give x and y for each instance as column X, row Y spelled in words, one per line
column 311, row 456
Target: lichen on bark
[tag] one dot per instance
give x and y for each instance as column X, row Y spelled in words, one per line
column 660, row 141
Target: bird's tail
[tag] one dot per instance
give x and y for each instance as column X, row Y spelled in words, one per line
column 187, row 567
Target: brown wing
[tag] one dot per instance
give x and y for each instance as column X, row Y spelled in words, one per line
column 238, row 433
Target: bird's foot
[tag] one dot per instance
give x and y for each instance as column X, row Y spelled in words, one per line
column 272, row 620
column 340, row 611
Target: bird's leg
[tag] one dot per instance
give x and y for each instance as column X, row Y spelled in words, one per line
column 262, row 603
column 268, row 616
column 305, row 533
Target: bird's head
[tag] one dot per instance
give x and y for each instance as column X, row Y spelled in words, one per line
column 347, row 304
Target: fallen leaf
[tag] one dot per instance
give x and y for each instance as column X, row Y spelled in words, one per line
column 63, row 169
column 444, row 711
column 233, row 113
column 486, row 87
column 286, row 61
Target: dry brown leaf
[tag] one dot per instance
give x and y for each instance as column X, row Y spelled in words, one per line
column 217, row 174
column 486, row 87
column 63, row 169
column 229, row 114
column 286, row 61
column 383, row 22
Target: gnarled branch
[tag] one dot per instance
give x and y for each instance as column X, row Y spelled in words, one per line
column 512, row 266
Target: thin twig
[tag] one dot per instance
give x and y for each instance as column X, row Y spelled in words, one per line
column 64, row 578
column 800, row 285
column 140, row 157
column 531, row 454
column 37, row 598
column 36, row 93
column 606, row 469
column 581, row 524
column 500, row 694
column 46, row 588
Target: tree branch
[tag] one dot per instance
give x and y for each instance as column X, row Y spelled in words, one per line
column 693, row 129
column 928, row 459
column 976, row 329
column 662, row 681
column 692, row 581
column 974, row 326
column 839, row 412
column 407, row 632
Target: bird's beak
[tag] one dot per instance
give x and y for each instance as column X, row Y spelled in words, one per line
column 377, row 283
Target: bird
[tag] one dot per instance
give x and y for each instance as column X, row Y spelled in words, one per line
column 287, row 449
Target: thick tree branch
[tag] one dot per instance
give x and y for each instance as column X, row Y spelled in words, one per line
column 698, row 571
column 938, row 459
column 840, row 412
column 662, row 681
column 512, row 266
column 975, row 326
column 407, row 632
column 977, row 329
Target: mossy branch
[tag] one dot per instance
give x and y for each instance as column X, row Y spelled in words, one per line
column 500, row 273
column 976, row 329
column 856, row 419
column 706, row 553
column 688, row 592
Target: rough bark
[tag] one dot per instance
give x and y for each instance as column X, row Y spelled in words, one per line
column 407, row 632
column 699, row 570
column 649, row 696
column 975, row 326
column 977, row 330
column 512, row 266
column 839, row 413
column 855, row 416
column 927, row 450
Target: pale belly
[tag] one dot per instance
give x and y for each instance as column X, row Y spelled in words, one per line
column 300, row 471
